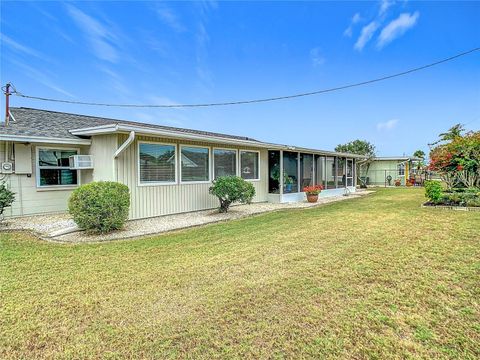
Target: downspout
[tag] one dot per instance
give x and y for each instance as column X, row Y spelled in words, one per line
column 120, row 150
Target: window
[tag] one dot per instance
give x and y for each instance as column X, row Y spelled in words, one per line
column 53, row 168
column 320, row 170
column 157, row 163
column 249, row 164
column 224, row 162
column 306, row 170
column 401, row 169
column 290, row 172
column 195, row 164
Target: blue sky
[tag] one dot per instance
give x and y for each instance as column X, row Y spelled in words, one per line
column 182, row 52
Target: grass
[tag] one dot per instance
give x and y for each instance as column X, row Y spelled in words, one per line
column 377, row 277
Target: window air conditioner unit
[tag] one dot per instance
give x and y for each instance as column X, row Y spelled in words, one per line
column 79, row 162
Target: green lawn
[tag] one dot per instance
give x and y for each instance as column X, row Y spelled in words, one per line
column 375, row 277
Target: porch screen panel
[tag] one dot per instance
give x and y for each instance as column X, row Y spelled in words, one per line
column 195, row 164
column 341, row 176
column 157, row 163
column 349, row 172
column 330, row 170
column 225, row 162
column 273, row 172
column 320, row 170
column 290, row 172
column 306, row 170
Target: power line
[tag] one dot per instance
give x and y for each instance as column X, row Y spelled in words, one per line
column 317, row 92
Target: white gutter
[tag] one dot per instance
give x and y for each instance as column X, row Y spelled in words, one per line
column 124, row 146
column 41, row 139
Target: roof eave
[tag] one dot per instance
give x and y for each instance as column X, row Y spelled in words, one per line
column 141, row 130
column 44, row 139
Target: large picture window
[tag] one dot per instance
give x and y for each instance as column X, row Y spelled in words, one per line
column 157, row 163
column 53, row 168
column 224, row 162
column 195, row 164
column 249, row 165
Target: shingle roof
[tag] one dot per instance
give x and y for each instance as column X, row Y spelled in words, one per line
column 53, row 124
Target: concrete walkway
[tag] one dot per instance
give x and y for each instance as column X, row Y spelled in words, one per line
column 61, row 227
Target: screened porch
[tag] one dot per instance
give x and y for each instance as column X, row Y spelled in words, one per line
column 290, row 172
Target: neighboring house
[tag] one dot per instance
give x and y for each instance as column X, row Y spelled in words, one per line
column 383, row 171
column 168, row 170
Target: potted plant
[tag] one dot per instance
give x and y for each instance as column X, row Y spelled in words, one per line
column 398, row 182
column 312, row 192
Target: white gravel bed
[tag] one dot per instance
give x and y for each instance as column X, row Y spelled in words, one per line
column 49, row 225
column 41, row 224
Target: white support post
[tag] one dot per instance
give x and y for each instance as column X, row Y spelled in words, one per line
column 281, row 173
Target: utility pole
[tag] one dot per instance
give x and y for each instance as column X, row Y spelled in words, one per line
column 7, row 109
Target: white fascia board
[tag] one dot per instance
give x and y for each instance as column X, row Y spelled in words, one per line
column 141, row 130
column 41, row 139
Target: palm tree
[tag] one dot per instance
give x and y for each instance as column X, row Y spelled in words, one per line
column 452, row 133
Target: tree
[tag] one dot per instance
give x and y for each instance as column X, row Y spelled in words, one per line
column 458, row 161
column 454, row 132
column 359, row 147
column 419, row 154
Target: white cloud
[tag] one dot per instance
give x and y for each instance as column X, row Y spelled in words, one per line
column 387, row 125
column 14, row 45
column 100, row 37
column 169, row 18
column 317, row 57
column 397, row 28
column 366, row 35
column 355, row 19
column 41, row 77
column 385, row 5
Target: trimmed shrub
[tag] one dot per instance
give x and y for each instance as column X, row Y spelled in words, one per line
column 433, row 190
column 100, row 207
column 230, row 189
column 7, row 197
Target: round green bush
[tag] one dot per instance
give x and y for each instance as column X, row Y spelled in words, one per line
column 230, row 189
column 100, row 206
column 433, row 190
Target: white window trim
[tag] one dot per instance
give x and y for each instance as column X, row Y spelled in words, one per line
column 209, row 164
column 227, row 149
column 402, row 167
column 37, row 169
column 240, row 164
column 156, row 183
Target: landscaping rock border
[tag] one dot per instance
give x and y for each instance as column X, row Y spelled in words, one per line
column 449, row 207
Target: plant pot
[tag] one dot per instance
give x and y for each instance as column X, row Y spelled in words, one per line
column 312, row 198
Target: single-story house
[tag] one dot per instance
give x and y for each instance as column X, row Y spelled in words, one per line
column 383, row 171
column 45, row 154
